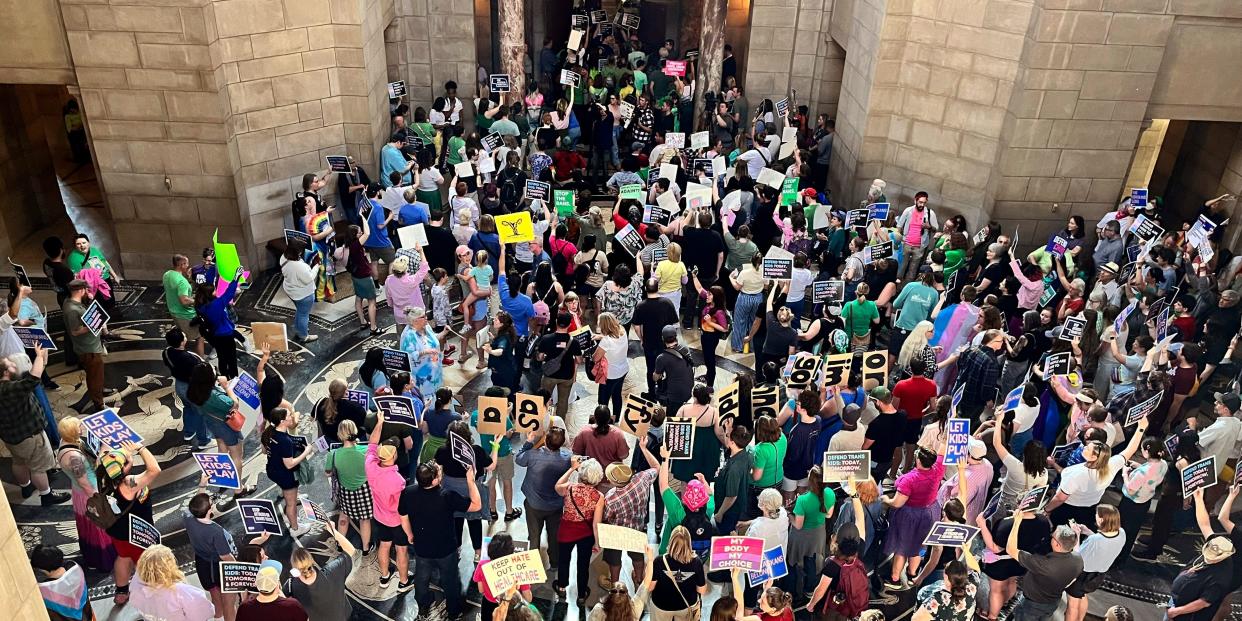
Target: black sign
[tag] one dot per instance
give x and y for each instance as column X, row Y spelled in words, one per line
column 1033, row 500
column 778, row 269
column 397, row 409
column 1057, row 364
column 856, row 218
column 538, row 190
column 629, row 239
column 765, row 401
column 679, row 437
column 841, row 465
column 142, row 533
column 1146, row 229
column 692, row 54
column 396, row 89
column 949, row 534
column 830, row 292
column 628, row 20
column 578, row 21
column 605, row 28
column 237, row 577
column 338, row 163
column 599, row 16
column 22, row 277
column 570, row 78
column 654, row 214
column 413, row 142
column 313, row 510
column 1199, row 475
column 499, row 82
column 491, row 142
column 875, row 252
column 1062, row 452
column 396, row 360
column 585, row 340
column 258, row 516
column 292, row 236
column 462, row 451
column 1072, row 328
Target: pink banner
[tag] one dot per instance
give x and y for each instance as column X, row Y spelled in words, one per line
column 736, row 552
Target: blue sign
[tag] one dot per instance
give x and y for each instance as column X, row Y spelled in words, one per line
column 1057, row 246
column 95, row 318
column 1120, row 323
column 1014, row 398
column 1138, row 197
column 958, row 430
column 774, row 567
column 361, row 397
column 258, row 516
column 219, row 469
column 1063, row 452
column 109, row 430
column 246, row 388
column 31, row 336
column 957, row 396
column 877, row 211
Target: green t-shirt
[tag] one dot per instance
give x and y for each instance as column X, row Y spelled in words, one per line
column 92, row 259
column 175, row 286
column 858, row 317
column 675, row 512
column 85, row 343
column 640, row 82
column 770, row 456
column 349, row 464
column 455, row 146
column 807, row 506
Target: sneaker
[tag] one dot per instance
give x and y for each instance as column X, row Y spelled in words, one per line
column 51, row 385
column 896, row 586
column 384, row 580
column 53, row 498
column 404, row 587
column 28, row 490
column 310, row 338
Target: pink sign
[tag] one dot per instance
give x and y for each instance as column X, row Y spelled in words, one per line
column 736, row 552
column 674, row 67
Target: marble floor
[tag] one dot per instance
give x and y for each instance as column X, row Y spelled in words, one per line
column 146, row 400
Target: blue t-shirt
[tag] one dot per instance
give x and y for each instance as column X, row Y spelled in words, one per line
column 379, row 233
column 413, row 213
column 391, row 161
column 519, row 306
column 438, row 422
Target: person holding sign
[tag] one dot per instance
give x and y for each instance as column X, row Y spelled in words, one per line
column 500, row 546
column 211, row 544
column 1047, row 575
column 213, row 396
column 1021, row 475
column 773, row 603
column 322, row 590
column 618, row 604
column 583, row 511
column 93, row 543
column 86, row 343
column 132, row 494
column 160, row 591
column 285, row 455
column 1082, row 485
column 349, row 249
column 422, row 344
column 1172, row 499
column 23, row 431
column 218, row 326
column 454, row 472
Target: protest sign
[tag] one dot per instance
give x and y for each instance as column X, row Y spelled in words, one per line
column 736, row 553
column 238, row 577
column 585, row 340
column 1162, row 323
column 1014, row 398
column 1073, row 328
column 679, row 437
column 668, row 171
column 654, row 214
column 258, row 516
column 563, row 201
column 1120, row 323
column 462, row 451
column 1170, row 444
column 728, row 401
column 1045, row 297
column 837, row 369
column 1199, row 475
column 782, row 106
column 629, row 21
column 499, row 82
column 958, row 432
column 674, row 67
column 805, row 373
column 516, row 227
column 361, row 397
column 878, row 211
column 536, row 190
column 413, row 236
column 530, row 413
column 1138, row 197
column 491, row 142
column 839, row 466
column 1057, row 364
column 311, row 509
column 274, row 334
column 599, row 16
column 578, row 21
column 856, row 218
column 220, row 469
column 31, row 336
column 632, row 191
column 676, row 140
column 1145, row 228
column 396, row 360
column 109, row 430
column 570, row 78
column 515, row 570
column 396, row 89
column 636, row 415
column 487, row 165
column 698, row 196
column 718, row 166
column 463, row 170
column 95, row 318
column 23, row 278
column 771, row 178
column 246, row 389
column 774, row 567
column 143, row 533
column 830, row 292
column 765, row 401
column 1033, row 500
column 298, row 237
column 1061, row 452
column 1056, row 246
column 874, row 369
column 666, row 201
column 789, row 191
column 777, row 269
column 956, row 399
column 700, row 140
column 1139, row 411
column 397, row 409
column 629, row 239
column 1201, row 232
column 612, row 537
column 949, row 534
column 492, row 414
column 877, row 251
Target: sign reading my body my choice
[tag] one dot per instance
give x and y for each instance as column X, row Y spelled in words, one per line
column 736, row 553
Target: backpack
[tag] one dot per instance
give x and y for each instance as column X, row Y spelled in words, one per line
column 850, row 593
column 298, row 207
column 560, row 263
column 510, row 194
column 99, row 510
column 701, row 529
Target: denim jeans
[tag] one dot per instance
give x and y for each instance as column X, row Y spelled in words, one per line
column 194, row 427
column 1027, row 610
column 301, row 317
column 449, row 582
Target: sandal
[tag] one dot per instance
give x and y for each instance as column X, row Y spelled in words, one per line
column 121, row 597
column 513, row 515
column 560, row 591
column 492, row 516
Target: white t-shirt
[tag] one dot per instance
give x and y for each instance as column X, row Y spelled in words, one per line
column 848, row 440
column 616, row 350
column 800, row 280
column 1083, row 486
column 1099, row 551
column 1017, row 481
column 773, row 531
column 1024, row 416
column 429, row 179
column 1221, row 439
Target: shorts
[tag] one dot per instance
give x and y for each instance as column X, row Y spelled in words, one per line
column 613, row 557
column 480, row 310
column 911, row 432
column 789, row 485
column 504, row 468
column 191, row 332
column 1003, row 569
column 387, row 254
column 391, row 534
column 34, row 453
column 126, row 549
column 364, row 288
column 1087, row 582
column 222, row 431
column 208, row 572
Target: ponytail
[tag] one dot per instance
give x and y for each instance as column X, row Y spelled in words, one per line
column 273, row 418
column 444, row 397
column 955, row 579
column 603, row 420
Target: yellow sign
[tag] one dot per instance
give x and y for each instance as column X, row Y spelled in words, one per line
column 515, row 228
column 514, row 570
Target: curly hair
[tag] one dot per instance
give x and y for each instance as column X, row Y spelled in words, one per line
column 157, row 567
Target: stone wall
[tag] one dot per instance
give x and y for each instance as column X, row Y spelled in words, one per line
column 861, row 26
column 437, row 45
column 37, row 123
column 789, row 49
column 18, row 589
column 34, row 49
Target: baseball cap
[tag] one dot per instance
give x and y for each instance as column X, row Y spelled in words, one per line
column 386, row 452
column 1084, row 398
column 77, row 283
column 1230, row 399
column 268, row 580
column 669, row 333
column 978, row 450
column 881, row 393
column 1217, row 549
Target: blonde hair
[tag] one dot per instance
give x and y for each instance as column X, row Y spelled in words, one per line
column 609, row 325
column 400, row 266
column 70, row 428
column 571, row 296
column 770, row 502
column 1109, row 518
column 463, row 217
column 914, row 343
column 1103, row 452
column 347, row 431
column 157, row 567
column 302, row 560
column 480, row 259
column 674, row 252
column 679, row 545
column 410, row 194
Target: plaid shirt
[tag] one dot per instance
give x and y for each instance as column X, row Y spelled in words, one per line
column 627, row 506
column 978, row 371
column 20, row 415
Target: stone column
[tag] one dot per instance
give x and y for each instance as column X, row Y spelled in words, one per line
column 513, row 46
column 711, row 52
column 693, row 14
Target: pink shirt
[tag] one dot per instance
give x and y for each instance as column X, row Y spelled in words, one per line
column 914, row 233
column 1030, row 292
column 183, row 602
column 487, row 590
column 920, row 486
column 386, row 485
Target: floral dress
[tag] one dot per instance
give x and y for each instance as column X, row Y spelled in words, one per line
column 425, row 369
column 325, row 285
column 942, row 607
column 622, row 302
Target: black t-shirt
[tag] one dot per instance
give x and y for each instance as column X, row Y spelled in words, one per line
column 678, row 377
column 59, row 274
column 281, row 446
column 886, row 431
column 779, row 338
column 444, row 457
column 1209, row 582
column 181, row 362
column 994, row 273
column 671, row 576
column 552, row 346
column 441, row 248
column 345, row 410
column 653, row 314
column 431, row 518
column 1222, row 325
column 701, row 248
